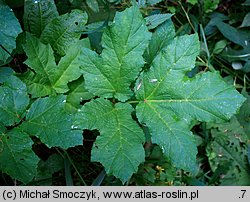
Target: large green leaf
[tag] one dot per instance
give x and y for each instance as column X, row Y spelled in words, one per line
column 169, row 100
column 37, row 14
column 48, row 120
column 64, row 31
column 13, row 100
column 16, row 156
column 49, row 77
column 9, row 30
column 119, row 147
column 111, row 73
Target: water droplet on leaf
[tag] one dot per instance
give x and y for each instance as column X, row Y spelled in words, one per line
column 237, row 65
column 153, row 80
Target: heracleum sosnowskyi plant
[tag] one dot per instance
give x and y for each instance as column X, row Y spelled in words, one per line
column 166, row 99
column 138, row 71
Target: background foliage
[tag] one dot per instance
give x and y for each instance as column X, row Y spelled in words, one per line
column 41, row 56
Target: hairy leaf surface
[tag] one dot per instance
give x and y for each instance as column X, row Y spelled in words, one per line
column 48, row 120
column 37, row 14
column 111, row 73
column 16, row 156
column 119, row 147
column 64, row 31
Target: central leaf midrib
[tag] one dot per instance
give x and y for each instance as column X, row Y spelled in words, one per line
column 165, row 123
column 120, row 140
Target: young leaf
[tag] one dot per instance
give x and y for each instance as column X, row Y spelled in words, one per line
column 64, row 31
column 13, row 100
column 169, row 100
column 48, row 120
column 16, row 156
column 111, row 74
column 9, row 30
column 49, row 77
column 37, row 14
column 119, row 147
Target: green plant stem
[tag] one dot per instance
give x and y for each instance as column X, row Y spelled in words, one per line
column 189, row 21
column 207, row 51
column 134, row 101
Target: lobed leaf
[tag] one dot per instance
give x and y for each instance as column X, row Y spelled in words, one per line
column 50, row 78
column 119, row 147
column 169, row 100
column 111, row 73
column 48, row 120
